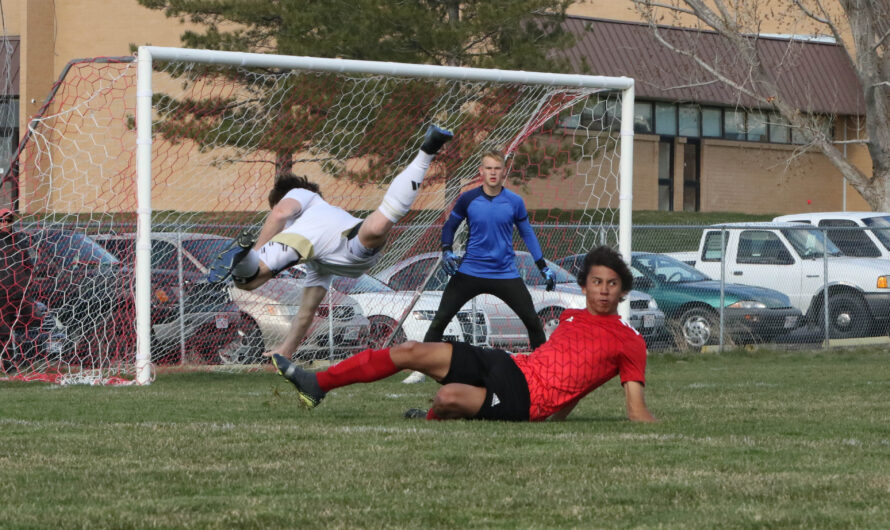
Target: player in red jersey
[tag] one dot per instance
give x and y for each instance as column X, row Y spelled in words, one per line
column 589, row 347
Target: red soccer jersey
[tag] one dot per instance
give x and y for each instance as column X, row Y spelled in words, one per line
column 583, row 352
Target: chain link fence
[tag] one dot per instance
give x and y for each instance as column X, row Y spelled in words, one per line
column 696, row 288
column 786, row 285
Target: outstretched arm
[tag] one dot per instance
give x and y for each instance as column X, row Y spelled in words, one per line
column 312, row 297
column 285, row 209
column 636, row 405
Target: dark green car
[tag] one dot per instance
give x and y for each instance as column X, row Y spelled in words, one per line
column 690, row 300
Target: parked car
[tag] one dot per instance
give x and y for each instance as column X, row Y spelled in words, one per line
column 80, row 284
column 691, row 302
column 384, row 307
column 505, row 328
column 800, row 262
column 192, row 321
column 871, row 243
column 37, row 339
column 340, row 327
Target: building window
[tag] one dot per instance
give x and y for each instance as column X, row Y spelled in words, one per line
column 666, row 119
column 757, row 126
column 666, row 175
column 687, row 120
column 605, row 115
column 778, row 129
column 691, row 176
column 690, row 121
column 9, row 130
column 9, row 112
column 712, row 122
column 734, row 125
column 643, row 117
column 798, row 137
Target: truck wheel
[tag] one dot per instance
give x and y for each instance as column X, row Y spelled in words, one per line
column 698, row 327
column 847, row 317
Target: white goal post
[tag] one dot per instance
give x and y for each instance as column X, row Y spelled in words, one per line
column 148, row 55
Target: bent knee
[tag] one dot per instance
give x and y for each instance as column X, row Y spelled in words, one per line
column 454, row 401
column 407, row 348
column 447, row 397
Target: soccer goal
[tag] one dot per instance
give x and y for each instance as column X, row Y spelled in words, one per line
column 144, row 168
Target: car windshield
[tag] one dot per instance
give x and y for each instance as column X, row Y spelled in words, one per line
column 205, row 250
column 882, row 226
column 362, row 284
column 810, row 243
column 532, row 276
column 73, row 246
column 667, row 270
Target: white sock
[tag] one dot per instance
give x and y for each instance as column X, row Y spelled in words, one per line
column 403, row 189
column 247, row 267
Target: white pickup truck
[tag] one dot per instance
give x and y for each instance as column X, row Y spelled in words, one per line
column 789, row 257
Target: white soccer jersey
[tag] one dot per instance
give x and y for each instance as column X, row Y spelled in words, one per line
column 318, row 234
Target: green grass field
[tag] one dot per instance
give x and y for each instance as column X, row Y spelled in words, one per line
column 746, row 440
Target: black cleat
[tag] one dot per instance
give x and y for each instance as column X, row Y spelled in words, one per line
column 415, row 414
column 222, row 266
column 305, row 382
column 434, row 139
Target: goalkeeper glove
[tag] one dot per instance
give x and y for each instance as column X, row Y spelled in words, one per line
column 549, row 278
column 450, row 262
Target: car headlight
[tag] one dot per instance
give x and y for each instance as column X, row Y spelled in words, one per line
column 747, row 304
column 882, row 282
column 423, row 314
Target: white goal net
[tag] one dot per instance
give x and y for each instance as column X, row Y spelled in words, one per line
column 137, row 172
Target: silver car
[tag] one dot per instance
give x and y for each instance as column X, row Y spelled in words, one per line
column 386, row 307
column 505, row 328
column 340, row 328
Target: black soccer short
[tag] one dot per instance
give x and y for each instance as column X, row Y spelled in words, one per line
column 506, row 390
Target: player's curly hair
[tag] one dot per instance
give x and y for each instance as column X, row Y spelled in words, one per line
column 607, row 257
column 287, row 182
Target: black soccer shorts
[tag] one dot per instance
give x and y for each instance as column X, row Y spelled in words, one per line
column 506, row 390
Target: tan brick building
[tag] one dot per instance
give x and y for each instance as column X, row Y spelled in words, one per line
column 680, row 161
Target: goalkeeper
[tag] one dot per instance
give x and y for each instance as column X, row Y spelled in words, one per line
column 589, row 347
column 489, row 263
column 302, row 228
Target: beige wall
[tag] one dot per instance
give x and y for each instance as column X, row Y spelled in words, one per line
column 54, row 32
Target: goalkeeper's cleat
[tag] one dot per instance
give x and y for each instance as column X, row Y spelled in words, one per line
column 222, row 266
column 434, row 139
column 305, row 382
column 415, row 377
column 415, row 414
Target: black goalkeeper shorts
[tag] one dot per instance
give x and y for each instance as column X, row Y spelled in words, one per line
column 506, row 390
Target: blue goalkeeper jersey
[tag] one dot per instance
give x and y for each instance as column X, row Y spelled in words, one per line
column 489, row 252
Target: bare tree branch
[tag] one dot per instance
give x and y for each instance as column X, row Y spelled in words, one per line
column 881, row 40
column 751, row 78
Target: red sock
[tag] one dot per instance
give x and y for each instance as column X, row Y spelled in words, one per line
column 430, row 415
column 363, row 367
